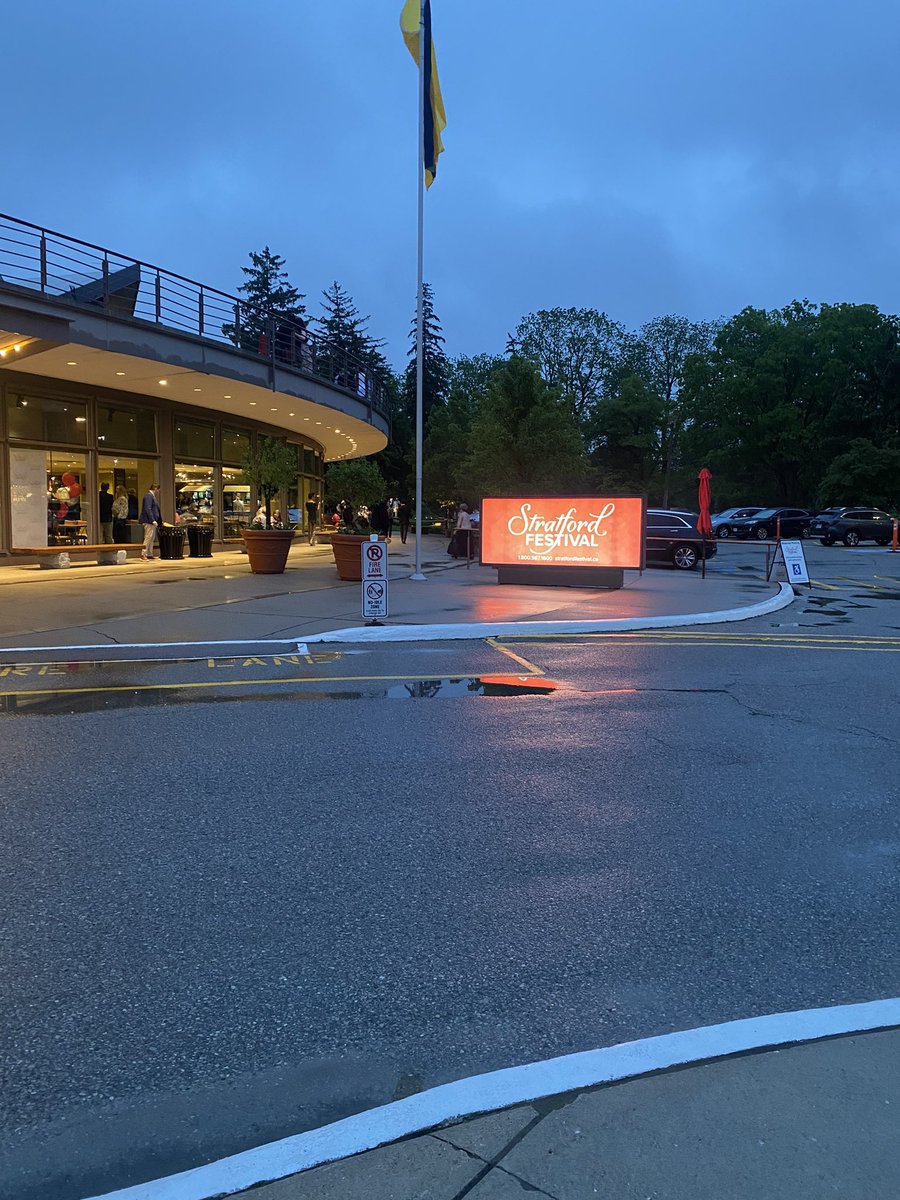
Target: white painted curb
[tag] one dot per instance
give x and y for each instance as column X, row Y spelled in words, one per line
column 502, row 1089
column 483, row 629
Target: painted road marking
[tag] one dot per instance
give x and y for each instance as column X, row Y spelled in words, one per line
column 875, row 645
column 453, row 1102
column 529, row 666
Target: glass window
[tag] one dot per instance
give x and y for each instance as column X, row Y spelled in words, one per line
column 310, row 462
column 125, row 429
column 68, row 502
column 237, row 503
column 235, row 445
column 129, row 481
column 195, row 489
column 40, row 419
column 195, row 439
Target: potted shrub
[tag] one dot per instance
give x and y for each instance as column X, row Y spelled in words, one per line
column 270, row 467
column 356, row 482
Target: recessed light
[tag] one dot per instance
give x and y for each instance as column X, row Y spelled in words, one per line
column 273, row 410
column 307, row 418
column 226, row 397
column 68, row 364
column 198, row 389
column 120, row 372
column 253, row 404
column 291, row 414
column 3, row 354
column 163, row 382
column 17, row 348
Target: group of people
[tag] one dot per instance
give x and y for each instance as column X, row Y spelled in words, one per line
column 115, row 511
column 380, row 517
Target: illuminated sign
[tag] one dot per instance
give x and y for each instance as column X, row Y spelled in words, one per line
column 575, row 531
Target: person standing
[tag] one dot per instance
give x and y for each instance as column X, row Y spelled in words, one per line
column 460, row 543
column 312, row 518
column 120, row 516
column 151, row 518
column 105, row 511
column 403, row 520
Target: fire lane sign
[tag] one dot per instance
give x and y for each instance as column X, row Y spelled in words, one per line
column 374, row 580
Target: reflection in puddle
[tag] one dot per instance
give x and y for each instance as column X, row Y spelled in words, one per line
column 101, row 700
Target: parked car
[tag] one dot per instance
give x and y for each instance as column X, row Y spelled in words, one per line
column 721, row 522
column 852, row 526
column 795, row 522
column 672, row 539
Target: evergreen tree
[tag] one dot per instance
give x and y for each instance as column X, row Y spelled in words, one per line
column 343, row 327
column 436, row 369
column 266, row 290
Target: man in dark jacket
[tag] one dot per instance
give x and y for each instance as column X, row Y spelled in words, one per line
column 151, row 518
column 104, row 508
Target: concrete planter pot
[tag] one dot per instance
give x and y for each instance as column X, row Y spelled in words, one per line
column 347, row 555
column 268, row 549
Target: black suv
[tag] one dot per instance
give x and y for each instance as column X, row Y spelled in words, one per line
column 764, row 524
column 852, row 526
column 672, row 538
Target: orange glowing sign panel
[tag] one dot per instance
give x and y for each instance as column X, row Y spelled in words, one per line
column 605, row 531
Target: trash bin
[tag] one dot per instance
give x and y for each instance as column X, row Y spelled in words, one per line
column 200, row 540
column 171, row 541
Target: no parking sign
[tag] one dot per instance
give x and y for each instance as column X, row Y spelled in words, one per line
column 374, row 580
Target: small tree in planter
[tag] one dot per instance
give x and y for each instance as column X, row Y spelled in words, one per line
column 358, row 482
column 270, row 467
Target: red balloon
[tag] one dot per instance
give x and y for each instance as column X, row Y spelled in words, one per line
column 69, row 479
column 74, row 491
column 62, row 512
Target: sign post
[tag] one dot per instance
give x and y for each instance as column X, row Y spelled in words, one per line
column 789, row 557
column 374, row 580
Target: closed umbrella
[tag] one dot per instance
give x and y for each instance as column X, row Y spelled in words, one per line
column 704, row 524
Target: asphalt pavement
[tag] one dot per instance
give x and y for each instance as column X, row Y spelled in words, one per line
column 246, row 897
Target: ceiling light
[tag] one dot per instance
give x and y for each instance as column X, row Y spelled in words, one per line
column 291, row 414
column 198, row 389
column 253, row 404
column 80, row 420
column 68, row 364
column 17, row 347
column 226, row 397
column 273, row 410
column 120, row 372
column 163, row 382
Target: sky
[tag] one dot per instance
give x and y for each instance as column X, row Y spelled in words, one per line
column 640, row 157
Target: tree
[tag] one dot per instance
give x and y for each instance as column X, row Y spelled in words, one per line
column 578, row 350
column 343, row 327
column 358, row 481
column 624, row 433
column 450, row 431
column 270, row 466
column 524, row 438
column 267, row 290
column 659, row 352
column 863, row 470
column 435, row 370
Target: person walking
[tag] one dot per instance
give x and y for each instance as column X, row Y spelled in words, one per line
column 403, row 520
column 312, row 518
column 151, row 518
column 379, row 518
column 120, row 516
column 460, row 543
column 104, row 510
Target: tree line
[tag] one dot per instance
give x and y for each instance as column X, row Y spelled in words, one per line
column 799, row 405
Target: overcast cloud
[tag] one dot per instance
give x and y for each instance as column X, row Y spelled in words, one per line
column 640, row 157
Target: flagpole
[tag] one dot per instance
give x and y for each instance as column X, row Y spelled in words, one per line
column 418, row 574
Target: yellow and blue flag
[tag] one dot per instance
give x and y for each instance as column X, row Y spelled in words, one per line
column 435, row 117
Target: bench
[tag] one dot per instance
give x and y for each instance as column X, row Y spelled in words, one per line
column 108, row 554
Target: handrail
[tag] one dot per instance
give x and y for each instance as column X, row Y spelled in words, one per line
column 79, row 272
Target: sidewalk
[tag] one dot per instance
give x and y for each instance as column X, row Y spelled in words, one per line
column 218, row 599
column 802, row 1123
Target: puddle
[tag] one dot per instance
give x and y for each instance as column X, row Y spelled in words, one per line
column 885, row 595
column 67, row 703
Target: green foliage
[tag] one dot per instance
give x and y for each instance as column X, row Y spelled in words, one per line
column 266, row 289
column 450, row 432
column 271, row 466
column 524, row 438
column 578, row 350
column 435, row 368
column 863, row 474
column 358, row 481
column 624, row 432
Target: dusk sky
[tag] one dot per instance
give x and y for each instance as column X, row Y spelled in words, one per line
column 643, row 157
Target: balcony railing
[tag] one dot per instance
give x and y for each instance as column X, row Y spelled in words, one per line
column 80, row 273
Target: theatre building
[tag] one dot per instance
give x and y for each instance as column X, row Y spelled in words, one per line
column 116, row 372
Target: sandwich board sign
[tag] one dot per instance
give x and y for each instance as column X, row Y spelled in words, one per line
column 374, row 580
column 789, row 563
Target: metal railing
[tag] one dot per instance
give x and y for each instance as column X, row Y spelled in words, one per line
column 80, row 273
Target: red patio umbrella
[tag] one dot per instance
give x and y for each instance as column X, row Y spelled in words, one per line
column 704, row 524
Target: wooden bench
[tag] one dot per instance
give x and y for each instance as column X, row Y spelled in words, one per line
column 108, row 554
